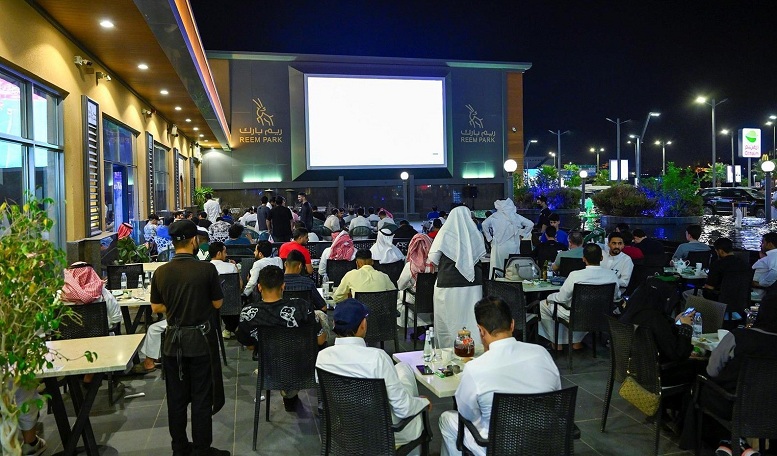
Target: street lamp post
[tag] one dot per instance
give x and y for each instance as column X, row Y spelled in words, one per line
column 404, row 176
column 597, row 152
column 618, row 124
column 510, row 166
column 553, row 154
column 639, row 139
column 772, row 122
column 663, row 145
column 733, row 160
column 558, row 134
column 767, row 167
column 526, row 151
column 583, row 176
column 713, row 104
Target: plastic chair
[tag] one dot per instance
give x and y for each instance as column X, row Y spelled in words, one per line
column 590, row 303
column 712, row 312
column 232, row 305
column 512, row 294
column 287, row 361
column 357, row 418
column 336, row 269
column 754, row 412
column 567, row 265
column 527, row 424
column 361, row 232
column 393, row 270
column 382, row 322
column 132, row 270
column 424, row 300
column 621, row 336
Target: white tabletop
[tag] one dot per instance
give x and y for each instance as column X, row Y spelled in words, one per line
column 140, row 297
column 114, row 353
column 151, row 267
column 328, row 300
column 531, row 287
column 441, row 387
column 689, row 274
column 706, row 341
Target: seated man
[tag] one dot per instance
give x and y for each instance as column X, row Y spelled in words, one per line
column 561, row 235
column 263, row 255
column 236, row 236
column 333, row 221
column 274, row 310
column 218, row 258
column 299, row 239
column 592, row 274
column 548, row 250
column 405, row 230
column 384, row 219
column 312, row 237
column 359, row 220
column 575, row 249
column 350, row 356
column 32, row 445
column 649, row 246
column 692, row 234
column 363, row 278
column 296, row 282
column 765, row 276
column 507, row 366
column 436, row 225
column 727, row 264
column 617, row 261
column 372, row 217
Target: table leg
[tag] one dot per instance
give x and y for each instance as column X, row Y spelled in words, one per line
column 58, row 406
column 83, row 405
column 138, row 318
column 127, row 320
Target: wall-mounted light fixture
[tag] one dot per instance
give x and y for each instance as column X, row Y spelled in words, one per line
column 146, row 112
column 83, row 63
column 174, row 131
column 101, row 75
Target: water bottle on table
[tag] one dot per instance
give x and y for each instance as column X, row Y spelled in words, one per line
column 123, row 282
column 427, row 348
column 141, row 282
column 697, row 325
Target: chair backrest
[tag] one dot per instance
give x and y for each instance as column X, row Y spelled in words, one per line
column 363, row 244
column 512, row 294
column 299, row 294
column 382, row 322
column 526, row 247
column 336, row 269
column 744, row 255
column 357, row 415
column 735, row 290
column 621, row 336
column 424, row 292
column 590, row 304
column 643, row 360
column 655, row 260
column 245, row 267
column 755, row 408
column 702, row 256
column 712, row 312
column 166, row 255
column 230, row 286
column 532, row 424
column 360, row 232
column 287, row 357
column 89, row 320
column 235, row 252
column 568, row 265
column 393, row 270
column 132, row 271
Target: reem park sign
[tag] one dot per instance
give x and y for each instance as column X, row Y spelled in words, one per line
column 749, row 140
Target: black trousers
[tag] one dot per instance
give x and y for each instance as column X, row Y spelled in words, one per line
column 195, row 388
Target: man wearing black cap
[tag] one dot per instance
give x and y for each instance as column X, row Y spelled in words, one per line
column 188, row 291
column 351, row 357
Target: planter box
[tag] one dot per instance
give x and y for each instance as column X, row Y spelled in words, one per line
column 669, row 228
column 569, row 217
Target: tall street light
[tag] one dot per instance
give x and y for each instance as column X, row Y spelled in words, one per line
column 733, row 160
column 663, row 145
column 558, row 134
column 510, row 166
column 773, row 123
column 404, row 176
column 639, row 139
column 618, row 124
column 583, row 177
column 526, row 150
column 767, row 167
column 597, row 152
column 713, row 104
column 553, row 154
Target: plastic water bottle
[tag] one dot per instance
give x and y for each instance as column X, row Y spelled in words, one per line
column 535, row 273
column 697, row 324
column 436, row 355
column 325, row 285
column 141, row 282
column 427, row 347
column 550, row 270
column 123, row 281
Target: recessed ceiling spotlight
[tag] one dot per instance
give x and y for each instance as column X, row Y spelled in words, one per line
column 196, row 128
column 188, row 120
column 177, row 108
column 142, row 66
column 164, row 92
column 201, row 135
column 105, row 23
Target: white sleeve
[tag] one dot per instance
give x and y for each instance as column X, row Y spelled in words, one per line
column 402, row 403
column 322, row 261
column 467, row 398
column 114, row 311
column 405, row 278
column 486, row 225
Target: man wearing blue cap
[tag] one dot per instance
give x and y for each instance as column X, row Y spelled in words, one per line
column 350, row 356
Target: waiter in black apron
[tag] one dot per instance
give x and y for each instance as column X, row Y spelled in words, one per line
column 189, row 292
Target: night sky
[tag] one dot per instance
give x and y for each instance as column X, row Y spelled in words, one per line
column 590, row 60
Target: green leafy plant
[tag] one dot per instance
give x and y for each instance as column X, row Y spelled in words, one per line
column 675, row 193
column 199, row 196
column 602, row 178
column 624, row 200
column 30, row 275
column 720, row 173
column 129, row 252
column 574, row 179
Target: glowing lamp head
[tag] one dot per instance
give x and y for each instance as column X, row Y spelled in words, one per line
column 404, row 176
column 510, row 165
column 583, row 173
column 701, row 100
column 767, row 166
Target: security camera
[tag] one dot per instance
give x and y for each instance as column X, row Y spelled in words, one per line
column 80, row 61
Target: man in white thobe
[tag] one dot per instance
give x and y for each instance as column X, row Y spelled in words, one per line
column 504, row 230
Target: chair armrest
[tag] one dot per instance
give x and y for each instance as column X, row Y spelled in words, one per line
column 532, row 305
column 566, row 306
column 472, row 430
column 702, row 380
column 500, row 270
column 405, row 421
column 405, row 292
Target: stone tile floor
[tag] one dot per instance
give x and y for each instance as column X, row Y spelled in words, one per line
column 138, row 427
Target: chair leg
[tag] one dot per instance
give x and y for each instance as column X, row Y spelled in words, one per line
column 569, row 348
column 221, row 339
column 258, row 407
column 607, row 398
column 658, row 428
column 415, row 328
column 555, row 340
column 267, row 408
column 699, row 417
column 593, row 339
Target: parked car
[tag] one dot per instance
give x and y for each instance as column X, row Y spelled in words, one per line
column 723, row 200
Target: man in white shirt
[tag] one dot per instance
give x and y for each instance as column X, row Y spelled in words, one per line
column 384, row 220
column 212, row 208
column 363, row 278
column 617, row 261
column 249, row 216
column 264, row 258
column 593, row 274
column 507, row 366
column 333, row 221
column 765, row 275
column 351, row 357
column 372, row 217
column 359, row 220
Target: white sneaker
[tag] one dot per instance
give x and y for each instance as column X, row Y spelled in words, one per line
column 263, row 398
column 34, row 450
column 226, row 334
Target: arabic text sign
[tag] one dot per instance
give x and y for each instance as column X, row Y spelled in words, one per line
column 749, row 142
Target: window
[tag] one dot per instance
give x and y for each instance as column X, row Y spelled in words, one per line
column 161, row 178
column 31, row 146
column 119, row 173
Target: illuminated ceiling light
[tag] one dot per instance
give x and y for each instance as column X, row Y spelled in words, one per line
column 188, row 120
column 164, row 92
column 773, row 117
column 196, row 128
column 105, row 23
column 178, row 108
column 142, row 66
column 201, row 135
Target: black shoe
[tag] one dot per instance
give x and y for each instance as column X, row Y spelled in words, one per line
column 217, row 452
column 290, row 403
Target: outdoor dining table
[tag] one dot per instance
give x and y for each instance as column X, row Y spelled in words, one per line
column 439, row 386
column 140, row 299
column 533, row 286
column 114, row 353
column 152, row 267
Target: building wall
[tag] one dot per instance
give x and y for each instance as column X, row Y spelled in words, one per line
column 33, row 46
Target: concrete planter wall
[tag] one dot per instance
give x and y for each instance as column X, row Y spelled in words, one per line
column 669, row 228
column 569, row 217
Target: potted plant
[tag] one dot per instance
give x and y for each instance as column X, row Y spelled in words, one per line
column 129, row 252
column 30, row 276
column 199, row 196
column 562, row 200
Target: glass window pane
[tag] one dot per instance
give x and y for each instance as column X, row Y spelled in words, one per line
column 110, row 141
column 160, row 178
column 10, row 106
column 11, row 176
column 45, row 116
column 47, row 174
column 126, row 140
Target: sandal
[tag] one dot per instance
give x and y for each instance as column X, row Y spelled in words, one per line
column 140, row 369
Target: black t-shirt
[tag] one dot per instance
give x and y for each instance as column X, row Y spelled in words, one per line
column 306, row 215
column 730, row 264
column 547, row 251
column 205, row 223
column 650, row 246
column 405, row 232
column 281, row 218
column 288, row 313
column 450, row 277
column 544, row 218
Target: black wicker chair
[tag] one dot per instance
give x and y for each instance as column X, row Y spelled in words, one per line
column 702, row 256
column 393, row 270
column 590, row 304
column 361, row 232
column 621, row 336
column 527, row 424
column 567, row 265
column 238, row 251
column 232, row 305
column 424, row 300
column 364, row 244
column 357, row 418
column 336, row 269
column 712, row 312
column 382, row 322
column 512, row 294
column 287, row 361
column 245, row 268
column 132, row 271
column 526, row 247
column 754, row 412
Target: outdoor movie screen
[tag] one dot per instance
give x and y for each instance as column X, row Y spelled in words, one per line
column 374, row 121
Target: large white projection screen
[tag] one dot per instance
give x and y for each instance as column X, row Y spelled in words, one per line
column 374, row 122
